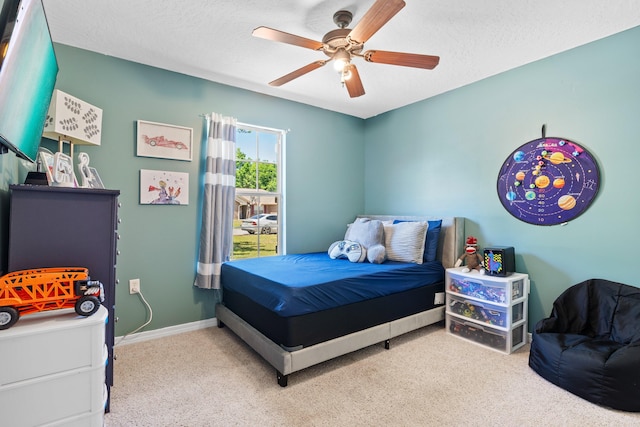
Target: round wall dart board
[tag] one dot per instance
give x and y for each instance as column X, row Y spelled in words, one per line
column 548, row 181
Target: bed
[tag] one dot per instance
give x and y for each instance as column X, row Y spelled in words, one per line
column 300, row 310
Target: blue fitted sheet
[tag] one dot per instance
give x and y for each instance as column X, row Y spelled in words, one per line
column 292, row 285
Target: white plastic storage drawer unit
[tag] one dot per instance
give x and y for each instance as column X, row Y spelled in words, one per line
column 52, row 369
column 488, row 310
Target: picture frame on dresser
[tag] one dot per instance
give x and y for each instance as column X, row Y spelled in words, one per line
column 46, row 162
column 88, row 174
column 63, row 174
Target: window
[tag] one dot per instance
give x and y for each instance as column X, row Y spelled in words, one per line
column 257, row 228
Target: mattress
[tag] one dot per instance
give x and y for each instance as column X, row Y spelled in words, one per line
column 301, row 300
column 293, row 285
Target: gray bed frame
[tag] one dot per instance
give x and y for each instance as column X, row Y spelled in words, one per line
column 450, row 246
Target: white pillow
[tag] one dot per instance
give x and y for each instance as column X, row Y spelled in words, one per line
column 404, row 241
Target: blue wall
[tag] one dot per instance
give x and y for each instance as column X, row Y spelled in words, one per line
column 443, row 155
column 159, row 243
column 438, row 156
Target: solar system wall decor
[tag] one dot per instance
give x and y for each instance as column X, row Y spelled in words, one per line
column 548, row 181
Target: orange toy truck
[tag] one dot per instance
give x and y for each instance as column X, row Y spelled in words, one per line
column 31, row 291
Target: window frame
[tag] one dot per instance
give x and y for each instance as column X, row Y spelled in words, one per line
column 279, row 162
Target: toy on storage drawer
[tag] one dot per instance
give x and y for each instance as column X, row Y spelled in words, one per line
column 499, row 260
column 471, row 258
column 31, row 291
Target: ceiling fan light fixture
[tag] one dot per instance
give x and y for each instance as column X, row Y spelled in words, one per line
column 346, row 74
column 342, row 59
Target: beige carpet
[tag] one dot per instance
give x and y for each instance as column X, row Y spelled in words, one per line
column 211, row 378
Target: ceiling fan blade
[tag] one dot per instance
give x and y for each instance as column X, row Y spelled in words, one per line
column 297, row 73
column 378, row 15
column 281, row 36
column 405, row 59
column 354, row 84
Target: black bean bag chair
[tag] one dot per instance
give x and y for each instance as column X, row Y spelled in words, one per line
column 590, row 345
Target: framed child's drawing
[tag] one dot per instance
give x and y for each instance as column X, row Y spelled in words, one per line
column 163, row 187
column 164, row 141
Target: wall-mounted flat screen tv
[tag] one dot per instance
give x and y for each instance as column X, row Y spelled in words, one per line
column 28, row 71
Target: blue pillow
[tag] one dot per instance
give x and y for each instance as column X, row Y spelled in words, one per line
column 431, row 244
column 431, row 241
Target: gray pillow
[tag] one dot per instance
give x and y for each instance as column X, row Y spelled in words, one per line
column 370, row 234
column 404, row 241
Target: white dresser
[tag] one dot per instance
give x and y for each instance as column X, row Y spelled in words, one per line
column 52, row 370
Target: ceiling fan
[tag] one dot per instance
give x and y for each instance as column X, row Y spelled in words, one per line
column 343, row 44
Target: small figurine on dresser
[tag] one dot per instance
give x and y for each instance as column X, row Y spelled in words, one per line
column 471, row 258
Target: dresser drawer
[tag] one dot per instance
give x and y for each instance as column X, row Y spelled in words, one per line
column 496, row 290
column 85, row 419
column 484, row 312
column 60, row 396
column 504, row 341
column 52, row 342
column 479, row 289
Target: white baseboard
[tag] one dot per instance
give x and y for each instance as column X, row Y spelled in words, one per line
column 529, row 337
column 165, row 332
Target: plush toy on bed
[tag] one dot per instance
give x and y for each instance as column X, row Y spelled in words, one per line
column 353, row 251
column 471, row 257
column 369, row 235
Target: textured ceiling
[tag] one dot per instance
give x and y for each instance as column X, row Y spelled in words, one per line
column 212, row 40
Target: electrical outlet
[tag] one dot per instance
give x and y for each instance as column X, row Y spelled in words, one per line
column 134, row 286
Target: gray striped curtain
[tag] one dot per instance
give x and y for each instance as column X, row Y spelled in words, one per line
column 216, row 235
